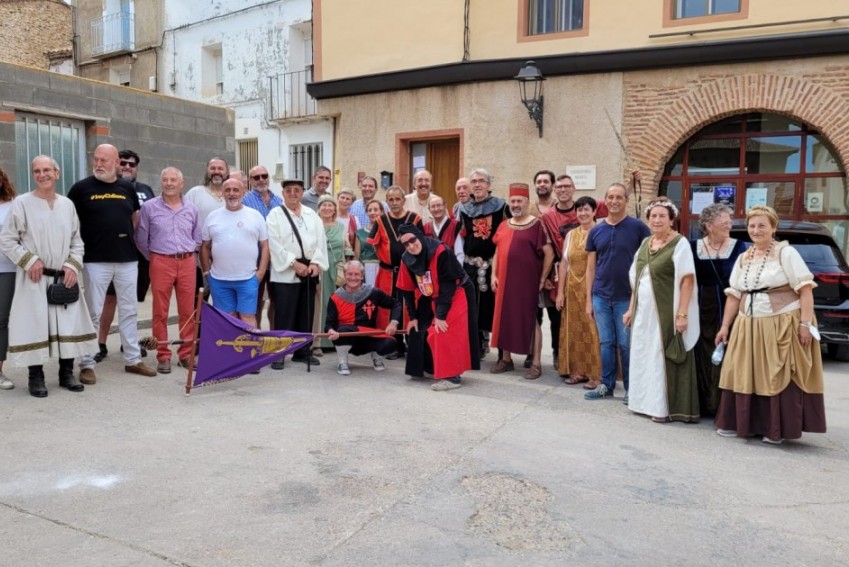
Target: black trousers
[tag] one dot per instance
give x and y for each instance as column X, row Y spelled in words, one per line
column 294, row 305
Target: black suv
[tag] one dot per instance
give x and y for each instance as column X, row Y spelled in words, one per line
column 831, row 296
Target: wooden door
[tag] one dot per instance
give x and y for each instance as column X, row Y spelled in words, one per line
column 443, row 161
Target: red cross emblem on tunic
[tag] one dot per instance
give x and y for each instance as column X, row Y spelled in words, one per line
column 482, row 228
column 369, row 308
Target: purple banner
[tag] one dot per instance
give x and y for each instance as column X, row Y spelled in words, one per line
column 229, row 348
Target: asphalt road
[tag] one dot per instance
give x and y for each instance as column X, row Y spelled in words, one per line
column 290, row 468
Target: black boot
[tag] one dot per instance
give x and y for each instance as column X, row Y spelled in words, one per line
column 66, row 375
column 36, row 382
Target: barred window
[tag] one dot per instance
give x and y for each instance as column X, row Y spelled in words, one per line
column 303, row 159
column 248, row 157
column 60, row 138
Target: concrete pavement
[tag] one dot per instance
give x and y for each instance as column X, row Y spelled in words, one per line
column 290, row 468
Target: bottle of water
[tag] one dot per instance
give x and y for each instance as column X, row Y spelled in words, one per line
column 718, row 353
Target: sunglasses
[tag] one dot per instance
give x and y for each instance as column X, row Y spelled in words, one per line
column 260, row 176
column 410, row 242
column 125, row 163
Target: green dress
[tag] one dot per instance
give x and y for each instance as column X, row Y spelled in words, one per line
column 336, row 246
column 661, row 386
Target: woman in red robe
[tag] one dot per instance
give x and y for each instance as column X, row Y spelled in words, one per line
column 439, row 297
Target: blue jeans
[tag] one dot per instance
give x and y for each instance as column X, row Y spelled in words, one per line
column 612, row 334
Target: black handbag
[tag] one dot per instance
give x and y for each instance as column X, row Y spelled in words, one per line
column 57, row 293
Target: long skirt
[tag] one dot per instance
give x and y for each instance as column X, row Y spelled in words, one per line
column 763, row 376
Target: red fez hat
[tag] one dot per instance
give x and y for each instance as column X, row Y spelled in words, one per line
column 520, row 190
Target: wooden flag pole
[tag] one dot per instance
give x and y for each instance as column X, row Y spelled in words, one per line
column 194, row 341
column 357, row 334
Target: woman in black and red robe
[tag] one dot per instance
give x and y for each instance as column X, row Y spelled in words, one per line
column 439, row 297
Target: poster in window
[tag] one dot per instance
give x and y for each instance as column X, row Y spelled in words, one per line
column 756, row 196
column 701, row 196
column 813, row 202
column 724, row 194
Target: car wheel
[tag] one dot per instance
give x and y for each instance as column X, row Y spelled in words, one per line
column 838, row 352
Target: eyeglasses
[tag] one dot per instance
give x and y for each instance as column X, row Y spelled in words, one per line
column 479, row 181
column 410, row 242
column 260, row 176
column 125, row 163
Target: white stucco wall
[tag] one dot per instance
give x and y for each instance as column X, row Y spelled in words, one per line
column 257, row 40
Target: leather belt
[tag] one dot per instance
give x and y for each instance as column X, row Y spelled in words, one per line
column 178, row 256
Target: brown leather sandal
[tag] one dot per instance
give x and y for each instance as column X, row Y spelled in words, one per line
column 592, row 384
column 575, row 379
column 534, row 372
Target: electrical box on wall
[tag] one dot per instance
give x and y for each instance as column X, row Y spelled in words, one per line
column 386, row 178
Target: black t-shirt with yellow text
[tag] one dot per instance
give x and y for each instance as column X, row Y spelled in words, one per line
column 106, row 219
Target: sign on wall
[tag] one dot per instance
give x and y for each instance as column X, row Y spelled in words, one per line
column 583, row 176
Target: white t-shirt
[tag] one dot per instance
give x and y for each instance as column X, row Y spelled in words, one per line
column 204, row 200
column 6, row 265
column 235, row 237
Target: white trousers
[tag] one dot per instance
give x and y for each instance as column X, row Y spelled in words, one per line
column 124, row 275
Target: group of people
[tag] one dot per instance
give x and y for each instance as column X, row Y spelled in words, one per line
column 407, row 277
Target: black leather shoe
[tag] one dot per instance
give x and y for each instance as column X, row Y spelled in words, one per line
column 393, row 355
column 313, row 360
column 36, row 383
column 278, row 364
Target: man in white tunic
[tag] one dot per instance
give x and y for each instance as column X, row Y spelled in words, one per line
column 41, row 233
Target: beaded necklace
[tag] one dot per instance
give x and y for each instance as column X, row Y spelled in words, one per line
column 760, row 268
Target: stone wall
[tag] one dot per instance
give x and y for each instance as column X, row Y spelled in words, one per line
column 162, row 130
column 31, row 28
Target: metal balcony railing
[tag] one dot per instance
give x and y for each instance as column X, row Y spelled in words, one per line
column 112, row 33
column 288, row 95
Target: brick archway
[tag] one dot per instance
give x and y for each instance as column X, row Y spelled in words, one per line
column 654, row 144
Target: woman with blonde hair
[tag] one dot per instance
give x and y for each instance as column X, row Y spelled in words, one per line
column 771, row 381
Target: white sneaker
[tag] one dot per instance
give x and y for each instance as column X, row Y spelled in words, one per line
column 342, row 368
column 377, row 360
column 5, row 383
column 766, row 439
column 444, row 385
column 726, row 433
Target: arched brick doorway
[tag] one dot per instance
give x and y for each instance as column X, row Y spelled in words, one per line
column 656, row 135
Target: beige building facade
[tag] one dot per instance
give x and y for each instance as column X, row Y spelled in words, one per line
column 749, row 104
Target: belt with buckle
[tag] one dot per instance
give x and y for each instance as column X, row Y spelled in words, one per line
column 178, row 256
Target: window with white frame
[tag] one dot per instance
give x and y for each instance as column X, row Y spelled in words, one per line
column 303, row 159
column 60, row 138
column 553, row 16
column 212, row 71
column 701, row 8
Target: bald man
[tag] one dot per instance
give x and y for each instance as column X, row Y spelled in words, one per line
column 107, row 207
